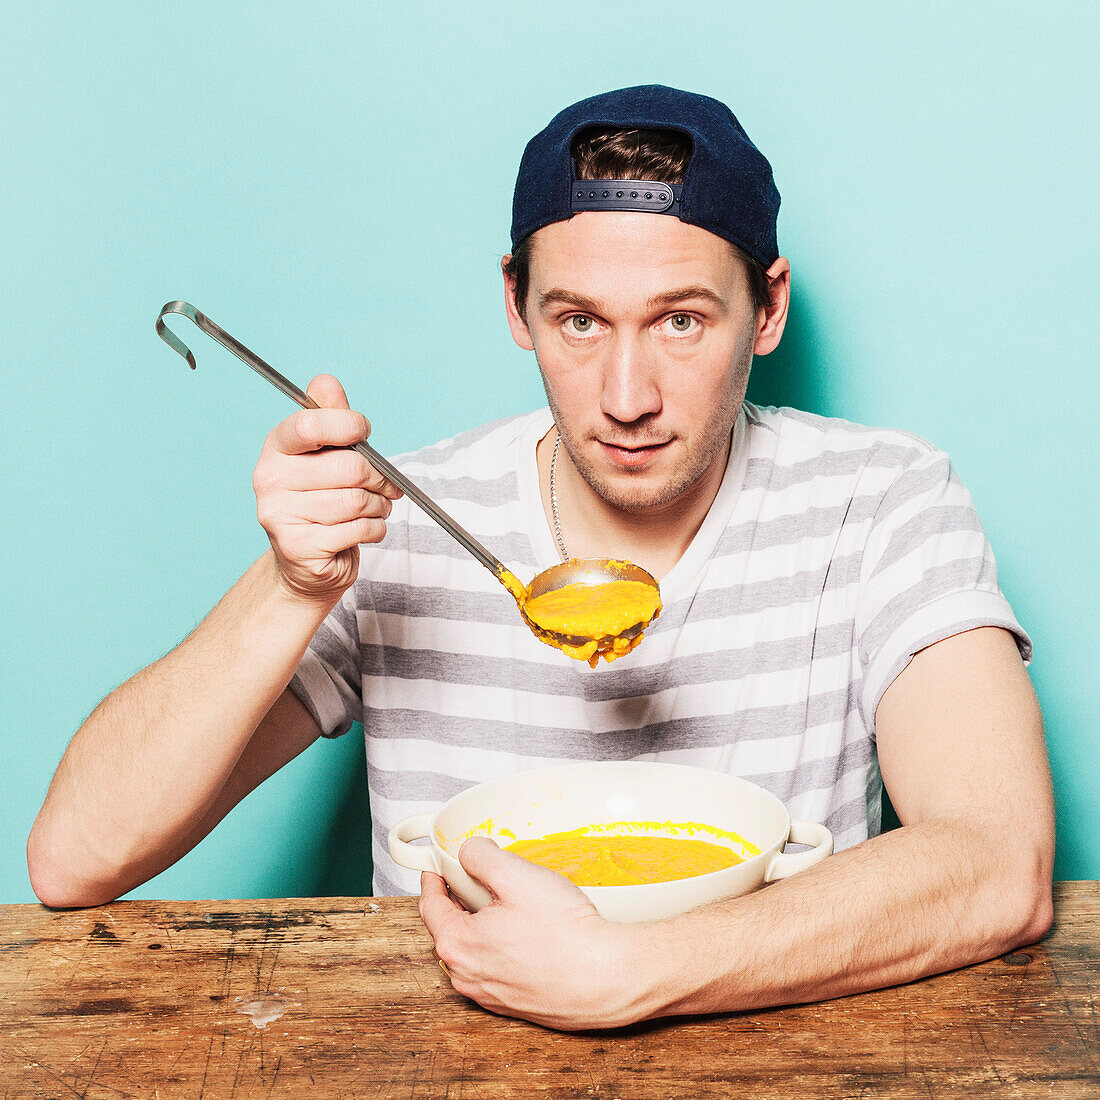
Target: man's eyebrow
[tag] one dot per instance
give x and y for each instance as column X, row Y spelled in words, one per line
column 685, row 294
column 560, row 296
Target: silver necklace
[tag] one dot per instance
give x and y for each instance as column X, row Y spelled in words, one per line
column 554, row 502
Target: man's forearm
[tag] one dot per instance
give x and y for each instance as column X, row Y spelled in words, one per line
column 146, row 767
column 916, row 901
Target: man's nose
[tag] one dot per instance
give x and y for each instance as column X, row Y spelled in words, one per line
column 630, row 388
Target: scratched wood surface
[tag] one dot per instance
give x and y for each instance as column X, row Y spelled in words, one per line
column 166, row 999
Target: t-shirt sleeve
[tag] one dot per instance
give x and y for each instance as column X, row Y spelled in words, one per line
column 328, row 680
column 928, row 572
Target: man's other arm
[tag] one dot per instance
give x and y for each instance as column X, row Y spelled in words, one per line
column 967, row 877
column 167, row 754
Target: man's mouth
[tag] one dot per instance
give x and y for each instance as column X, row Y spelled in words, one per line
column 632, row 454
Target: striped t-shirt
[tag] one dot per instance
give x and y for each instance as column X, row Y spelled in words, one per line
column 831, row 554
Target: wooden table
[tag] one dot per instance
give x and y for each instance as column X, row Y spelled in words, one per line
column 165, row 999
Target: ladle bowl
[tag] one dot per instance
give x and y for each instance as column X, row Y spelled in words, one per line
column 585, row 571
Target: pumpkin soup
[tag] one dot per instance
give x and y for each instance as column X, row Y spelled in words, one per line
column 599, row 612
column 628, row 859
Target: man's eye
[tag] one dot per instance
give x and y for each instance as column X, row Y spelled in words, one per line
column 681, row 322
column 581, row 325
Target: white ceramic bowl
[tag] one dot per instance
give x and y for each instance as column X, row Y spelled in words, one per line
column 534, row 803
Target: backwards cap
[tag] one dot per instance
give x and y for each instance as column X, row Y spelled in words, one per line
column 727, row 190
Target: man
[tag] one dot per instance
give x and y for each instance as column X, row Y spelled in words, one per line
column 831, row 612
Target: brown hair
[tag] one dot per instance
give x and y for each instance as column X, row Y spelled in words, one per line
column 606, row 153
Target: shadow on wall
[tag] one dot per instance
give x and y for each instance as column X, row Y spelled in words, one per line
column 797, row 373
column 343, row 862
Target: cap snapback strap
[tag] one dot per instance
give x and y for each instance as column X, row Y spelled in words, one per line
column 645, row 195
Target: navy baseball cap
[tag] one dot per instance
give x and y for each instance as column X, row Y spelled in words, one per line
column 728, row 188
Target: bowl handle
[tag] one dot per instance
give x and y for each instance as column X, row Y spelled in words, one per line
column 783, row 865
column 416, row 858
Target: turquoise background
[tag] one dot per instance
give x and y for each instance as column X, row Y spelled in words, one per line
column 332, row 184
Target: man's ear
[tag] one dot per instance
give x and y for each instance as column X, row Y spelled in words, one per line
column 772, row 319
column 520, row 332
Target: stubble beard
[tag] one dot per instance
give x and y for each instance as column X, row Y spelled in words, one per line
column 703, row 454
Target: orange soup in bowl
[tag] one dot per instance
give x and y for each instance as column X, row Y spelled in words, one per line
column 624, row 854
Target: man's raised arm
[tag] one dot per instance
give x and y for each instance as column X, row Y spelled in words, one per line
column 168, row 753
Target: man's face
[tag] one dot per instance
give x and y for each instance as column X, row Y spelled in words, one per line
column 643, row 329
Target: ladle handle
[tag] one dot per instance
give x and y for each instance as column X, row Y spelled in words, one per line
column 265, row 370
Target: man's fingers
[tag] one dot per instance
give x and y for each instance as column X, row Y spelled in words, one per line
column 334, row 424
column 504, row 874
column 312, row 434
column 327, row 392
column 343, row 536
column 321, row 439
column 330, row 506
column 313, row 429
column 330, row 469
column 436, row 905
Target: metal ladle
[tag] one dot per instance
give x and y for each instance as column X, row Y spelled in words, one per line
column 575, row 571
